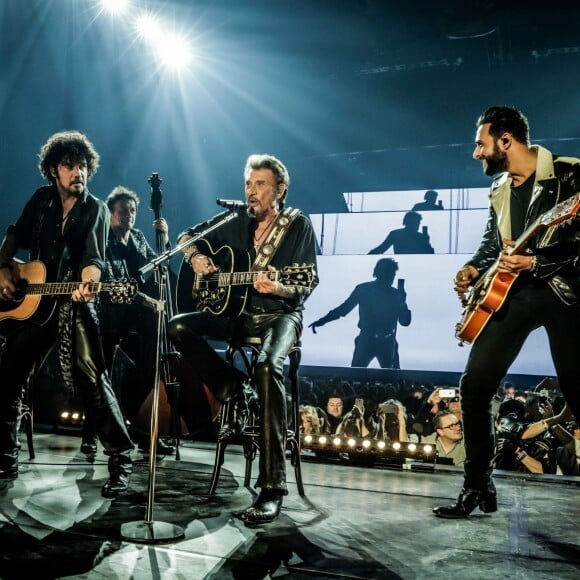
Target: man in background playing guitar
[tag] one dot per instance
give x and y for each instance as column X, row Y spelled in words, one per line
column 544, row 286
column 269, row 309
column 64, row 227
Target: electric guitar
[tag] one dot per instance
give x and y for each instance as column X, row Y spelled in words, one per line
column 34, row 299
column 226, row 291
column 491, row 289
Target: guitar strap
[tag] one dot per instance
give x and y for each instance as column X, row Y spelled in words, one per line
column 274, row 239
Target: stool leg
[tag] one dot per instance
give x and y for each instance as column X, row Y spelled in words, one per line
column 294, row 439
column 27, row 419
column 173, row 391
column 219, row 451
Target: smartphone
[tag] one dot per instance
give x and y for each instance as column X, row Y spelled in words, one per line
column 360, row 404
column 401, row 283
column 448, row 393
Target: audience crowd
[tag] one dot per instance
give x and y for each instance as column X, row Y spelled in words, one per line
column 534, row 429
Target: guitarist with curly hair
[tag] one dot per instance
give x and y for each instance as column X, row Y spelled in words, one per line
column 64, row 230
column 525, row 275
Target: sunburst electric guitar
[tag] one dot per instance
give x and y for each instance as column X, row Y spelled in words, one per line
column 490, row 291
column 226, row 291
column 35, row 299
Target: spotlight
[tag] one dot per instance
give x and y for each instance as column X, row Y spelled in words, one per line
column 412, row 447
column 396, row 446
column 115, row 7
column 366, row 444
column 322, row 440
column 308, row 439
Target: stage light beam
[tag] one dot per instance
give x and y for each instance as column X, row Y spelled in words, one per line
column 115, row 7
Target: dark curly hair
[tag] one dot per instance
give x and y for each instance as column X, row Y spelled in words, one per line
column 70, row 145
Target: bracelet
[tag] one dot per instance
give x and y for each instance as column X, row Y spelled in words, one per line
column 193, row 255
column 534, row 267
column 521, row 455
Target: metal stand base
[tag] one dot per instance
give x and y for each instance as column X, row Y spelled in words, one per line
column 151, row 532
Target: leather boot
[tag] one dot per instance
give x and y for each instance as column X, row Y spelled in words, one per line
column 265, row 510
column 9, row 448
column 9, row 465
column 468, row 500
column 120, row 468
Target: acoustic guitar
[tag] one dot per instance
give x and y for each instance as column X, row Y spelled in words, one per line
column 35, row 299
column 226, row 291
column 491, row 289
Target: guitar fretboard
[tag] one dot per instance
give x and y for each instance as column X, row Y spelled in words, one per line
column 240, row 278
column 54, row 288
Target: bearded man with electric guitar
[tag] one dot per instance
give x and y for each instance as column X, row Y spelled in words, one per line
column 252, row 275
column 525, row 275
column 50, row 300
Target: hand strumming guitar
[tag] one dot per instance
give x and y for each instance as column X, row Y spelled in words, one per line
column 463, row 279
column 7, row 285
column 201, row 264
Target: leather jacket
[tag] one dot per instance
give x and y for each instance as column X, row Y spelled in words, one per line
column 557, row 249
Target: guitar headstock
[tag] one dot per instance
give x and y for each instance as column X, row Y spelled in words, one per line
column 296, row 275
column 563, row 212
column 122, row 291
column 156, row 196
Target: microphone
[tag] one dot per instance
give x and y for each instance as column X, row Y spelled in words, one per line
column 232, row 204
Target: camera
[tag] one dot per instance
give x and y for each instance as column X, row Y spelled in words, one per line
column 388, row 409
column 448, row 393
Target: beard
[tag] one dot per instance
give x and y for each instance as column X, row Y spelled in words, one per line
column 496, row 162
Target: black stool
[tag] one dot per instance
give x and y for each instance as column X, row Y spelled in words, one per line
column 248, row 349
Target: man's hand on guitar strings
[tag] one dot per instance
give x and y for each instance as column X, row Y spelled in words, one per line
column 203, row 265
column 264, row 283
column 7, row 284
column 514, row 264
column 83, row 292
column 463, row 280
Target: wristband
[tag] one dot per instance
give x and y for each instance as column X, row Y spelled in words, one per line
column 534, row 268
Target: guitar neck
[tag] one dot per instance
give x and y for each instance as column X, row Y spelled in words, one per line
column 521, row 243
column 57, row 288
column 243, row 278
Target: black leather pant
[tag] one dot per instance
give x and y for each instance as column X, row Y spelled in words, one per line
column 494, row 351
column 278, row 332
column 26, row 348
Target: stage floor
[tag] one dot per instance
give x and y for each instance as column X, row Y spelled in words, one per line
column 353, row 522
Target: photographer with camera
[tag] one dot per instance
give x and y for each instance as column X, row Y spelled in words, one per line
column 437, row 401
column 529, row 434
column 392, row 418
column 359, row 422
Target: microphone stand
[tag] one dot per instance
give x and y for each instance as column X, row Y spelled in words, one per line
column 162, row 258
column 148, row 530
